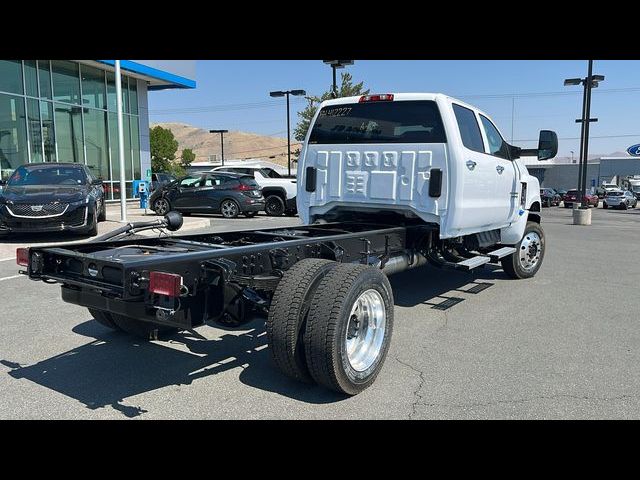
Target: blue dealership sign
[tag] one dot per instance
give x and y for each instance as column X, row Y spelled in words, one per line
column 634, row 150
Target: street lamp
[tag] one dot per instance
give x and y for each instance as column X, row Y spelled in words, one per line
column 221, row 132
column 335, row 64
column 572, row 161
column 280, row 93
column 589, row 82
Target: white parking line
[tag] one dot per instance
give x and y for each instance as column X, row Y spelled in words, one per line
column 11, row 277
column 7, row 259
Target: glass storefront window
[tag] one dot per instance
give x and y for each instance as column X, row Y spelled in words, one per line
column 111, row 92
column 69, row 133
column 31, row 78
column 133, row 96
column 93, row 87
column 13, row 134
column 135, row 148
column 48, row 131
column 96, row 142
column 44, row 77
column 66, row 81
column 79, row 126
column 33, row 124
column 11, row 76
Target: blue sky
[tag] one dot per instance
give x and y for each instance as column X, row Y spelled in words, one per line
column 235, row 95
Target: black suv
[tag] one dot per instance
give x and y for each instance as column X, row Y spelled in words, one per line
column 52, row 197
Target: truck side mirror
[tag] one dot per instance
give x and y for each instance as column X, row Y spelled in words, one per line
column 547, row 145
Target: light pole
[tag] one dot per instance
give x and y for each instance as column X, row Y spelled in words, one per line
column 589, row 82
column 572, row 161
column 286, row 93
column 335, row 64
column 221, row 132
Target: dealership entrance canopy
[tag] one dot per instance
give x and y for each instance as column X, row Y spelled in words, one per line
column 65, row 111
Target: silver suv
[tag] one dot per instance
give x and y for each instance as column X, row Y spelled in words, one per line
column 620, row 199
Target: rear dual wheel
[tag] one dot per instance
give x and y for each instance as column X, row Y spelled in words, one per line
column 331, row 323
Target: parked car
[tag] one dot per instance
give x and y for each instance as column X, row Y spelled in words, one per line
column 561, row 191
column 160, row 179
column 52, row 197
column 279, row 191
column 227, row 193
column 620, row 199
column 549, row 197
column 572, row 196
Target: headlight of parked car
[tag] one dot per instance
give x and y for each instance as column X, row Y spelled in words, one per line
column 79, row 203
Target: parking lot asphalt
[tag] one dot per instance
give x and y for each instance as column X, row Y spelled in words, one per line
column 565, row 344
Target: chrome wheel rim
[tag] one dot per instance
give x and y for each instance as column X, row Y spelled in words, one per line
column 162, row 206
column 229, row 209
column 530, row 251
column 365, row 330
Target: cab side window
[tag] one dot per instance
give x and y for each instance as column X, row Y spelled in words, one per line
column 469, row 128
column 497, row 146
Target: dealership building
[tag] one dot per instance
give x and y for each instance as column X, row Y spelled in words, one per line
column 65, row 111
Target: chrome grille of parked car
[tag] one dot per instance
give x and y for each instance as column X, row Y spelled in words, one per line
column 37, row 210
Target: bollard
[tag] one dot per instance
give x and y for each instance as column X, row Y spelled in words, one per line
column 582, row 216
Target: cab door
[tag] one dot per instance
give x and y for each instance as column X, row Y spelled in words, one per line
column 503, row 173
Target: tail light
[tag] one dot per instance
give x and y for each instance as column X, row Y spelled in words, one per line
column 243, row 187
column 22, row 257
column 165, row 283
column 385, row 97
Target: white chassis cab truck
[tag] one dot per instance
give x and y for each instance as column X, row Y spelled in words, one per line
column 385, row 183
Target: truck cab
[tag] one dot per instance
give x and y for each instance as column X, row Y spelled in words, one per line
column 423, row 156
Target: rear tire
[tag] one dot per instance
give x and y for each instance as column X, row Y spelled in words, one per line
column 274, row 206
column 138, row 328
column 527, row 259
column 103, row 318
column 229, row 209
column 349, row 328
column 288, row 316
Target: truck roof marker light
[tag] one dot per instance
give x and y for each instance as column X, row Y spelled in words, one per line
column 383, row 97
column 168, row 284
column 22, row 257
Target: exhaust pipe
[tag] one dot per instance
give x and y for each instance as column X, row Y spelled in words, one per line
column 399, row 263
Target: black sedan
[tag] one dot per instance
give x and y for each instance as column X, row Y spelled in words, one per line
column 52, row 197
column 549, row 197
column 227, row 193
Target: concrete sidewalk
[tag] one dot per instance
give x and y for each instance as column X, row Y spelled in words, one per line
column 9, row 244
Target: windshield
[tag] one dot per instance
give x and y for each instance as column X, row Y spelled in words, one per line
column 63, row 175
column 379, row 122
column 614, row 194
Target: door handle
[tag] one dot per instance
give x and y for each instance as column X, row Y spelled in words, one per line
column 500, row 169
column 471, row 164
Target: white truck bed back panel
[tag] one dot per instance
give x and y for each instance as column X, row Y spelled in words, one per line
column 371, row 174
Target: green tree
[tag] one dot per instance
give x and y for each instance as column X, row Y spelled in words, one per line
column 187, row 157
column 346, row 89
column 163, row 149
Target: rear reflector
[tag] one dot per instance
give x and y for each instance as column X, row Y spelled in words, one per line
column 22, row 257
column 385, row 97
column 165, row 283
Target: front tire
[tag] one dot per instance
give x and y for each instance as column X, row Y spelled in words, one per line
column 527, row 259
column 274, row 206
column 103, row 212
column 288, row 316
column 93, row 229
column 349, row 328
column 161, row 206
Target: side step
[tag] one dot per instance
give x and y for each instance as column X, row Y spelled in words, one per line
column 501, row 253
column 472, row 262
